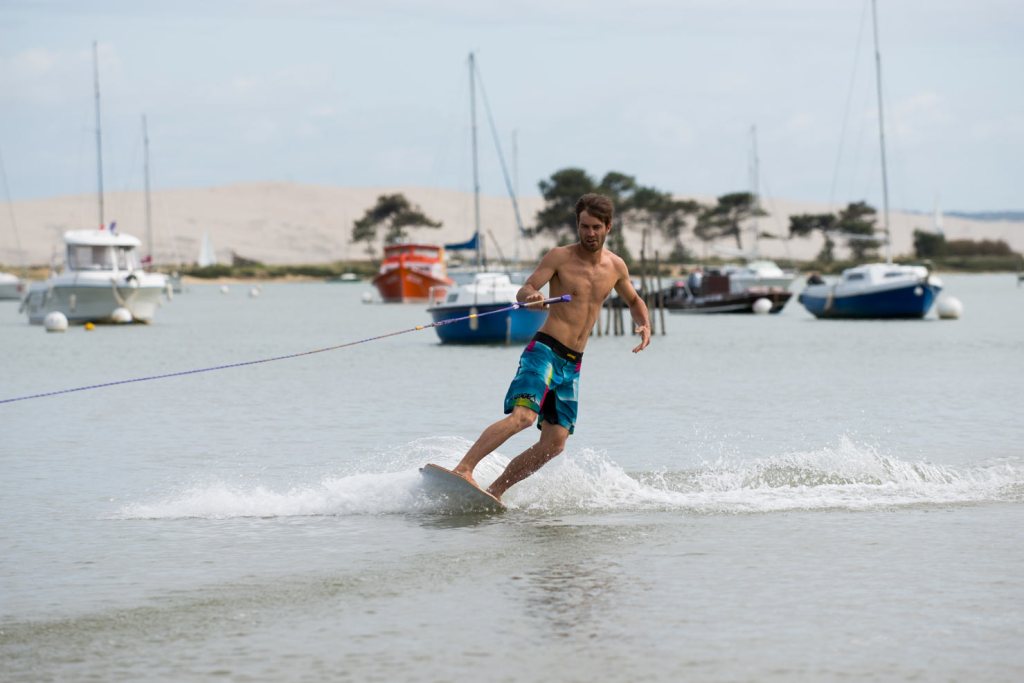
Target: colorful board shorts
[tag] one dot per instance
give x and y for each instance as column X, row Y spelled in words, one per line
column 547, row 382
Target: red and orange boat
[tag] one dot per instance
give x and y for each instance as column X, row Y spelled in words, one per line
column 409, row 271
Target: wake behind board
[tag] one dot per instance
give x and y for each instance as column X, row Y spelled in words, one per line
column 457, row 492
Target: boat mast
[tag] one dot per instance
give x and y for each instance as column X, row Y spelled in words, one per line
column 881, row 137
column 149, row 212
column 755, row 182
column 99, row 139
column 10, row 209
column 476, row 173
column 515, row 189
column 512, row 191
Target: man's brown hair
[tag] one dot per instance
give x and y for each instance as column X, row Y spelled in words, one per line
column 597, row 205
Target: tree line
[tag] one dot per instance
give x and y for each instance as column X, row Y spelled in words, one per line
column 638, row 207
column 649, row 210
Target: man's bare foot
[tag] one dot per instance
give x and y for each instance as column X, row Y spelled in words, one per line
column 467, row 475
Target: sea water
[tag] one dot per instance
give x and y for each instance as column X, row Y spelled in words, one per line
column 753, row 498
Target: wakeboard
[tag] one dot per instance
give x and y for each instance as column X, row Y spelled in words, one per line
column 457, row 492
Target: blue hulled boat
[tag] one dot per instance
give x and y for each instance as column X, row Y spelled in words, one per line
column 875, row 290
column 487, row 292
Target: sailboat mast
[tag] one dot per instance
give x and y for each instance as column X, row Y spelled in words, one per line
column 99, row 139
column 515, row 189
column 145, row 167
column 10, row 209
column 881, row 137
column 476, row 171
column 755, row 182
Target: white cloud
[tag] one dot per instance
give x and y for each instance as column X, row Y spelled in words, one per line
column 1003, row 130
column 39, row 76
column 917, row 119
column 661, row 127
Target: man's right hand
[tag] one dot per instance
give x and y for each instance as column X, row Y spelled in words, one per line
column 532, row 298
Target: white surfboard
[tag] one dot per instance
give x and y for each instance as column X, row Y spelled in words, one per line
column 457, row 492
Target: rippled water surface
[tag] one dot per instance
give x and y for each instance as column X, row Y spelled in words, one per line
column 753, row 498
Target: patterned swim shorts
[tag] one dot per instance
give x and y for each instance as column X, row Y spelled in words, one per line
column 547, row 382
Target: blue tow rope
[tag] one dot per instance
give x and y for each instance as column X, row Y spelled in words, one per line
column 553, row 300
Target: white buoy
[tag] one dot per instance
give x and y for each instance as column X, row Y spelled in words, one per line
column 224, row 289
column 121, row 315
column 762, row 306
column 254, row 292
column 55, row 321
column 367, row 297
column 949, row 308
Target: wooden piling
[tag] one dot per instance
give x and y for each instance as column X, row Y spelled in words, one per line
column 661, row 293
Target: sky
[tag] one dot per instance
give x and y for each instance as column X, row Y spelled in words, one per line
column 377, row 95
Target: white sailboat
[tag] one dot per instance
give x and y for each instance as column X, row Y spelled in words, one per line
column 207, row 256
column 101, row 272
column 756, row 272
column 11, row 286
column 876, row 290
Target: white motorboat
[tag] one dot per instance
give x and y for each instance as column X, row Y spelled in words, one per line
column 10, row 286
column 757, row 274
column 101, row 274
column 102, row 279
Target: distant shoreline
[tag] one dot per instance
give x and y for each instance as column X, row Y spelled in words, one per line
column 280, row 223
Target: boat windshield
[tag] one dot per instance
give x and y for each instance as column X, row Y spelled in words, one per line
column 90, row 257
column 126, row 258
column 413, row 250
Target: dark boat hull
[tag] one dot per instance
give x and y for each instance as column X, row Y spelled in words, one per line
column 727, row 303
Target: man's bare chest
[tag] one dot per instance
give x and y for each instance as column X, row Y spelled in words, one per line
column 590, row 284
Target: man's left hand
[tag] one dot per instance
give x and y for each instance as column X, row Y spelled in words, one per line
column 645, row 337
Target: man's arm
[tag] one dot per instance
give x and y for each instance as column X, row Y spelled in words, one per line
column 637, row 309
column 530, row 291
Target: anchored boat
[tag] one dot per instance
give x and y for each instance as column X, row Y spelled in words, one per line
column 11, row 286
column 874, row 290
column 101, row 273
column 410, row 271
column 486, row 293
column 718, row 294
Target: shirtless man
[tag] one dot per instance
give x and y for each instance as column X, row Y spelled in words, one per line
column 546, row 385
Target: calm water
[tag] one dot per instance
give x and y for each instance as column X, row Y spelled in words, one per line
column 751, row 499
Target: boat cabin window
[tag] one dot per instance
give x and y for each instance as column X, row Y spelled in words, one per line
column 411, row 250
column 855, row 276
column 90, row 257
column 126, row 258
column 894, row 273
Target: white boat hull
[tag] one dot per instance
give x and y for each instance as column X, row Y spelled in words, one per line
column 10, row 289
column 85, row 301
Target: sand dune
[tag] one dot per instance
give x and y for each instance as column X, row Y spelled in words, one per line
column 279, row 223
